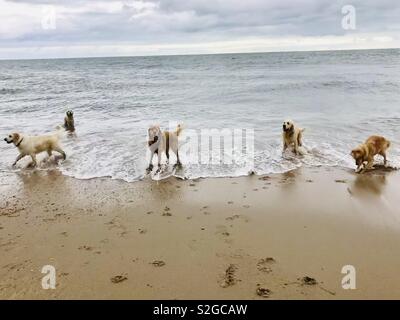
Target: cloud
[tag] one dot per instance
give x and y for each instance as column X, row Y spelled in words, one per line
column 160, row 25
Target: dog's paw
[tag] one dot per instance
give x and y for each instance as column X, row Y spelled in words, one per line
column 159, row 169
column 363, row 169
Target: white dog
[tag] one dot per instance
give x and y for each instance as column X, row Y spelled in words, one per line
column 160, row 142
column 292, row 135
column 32, row 145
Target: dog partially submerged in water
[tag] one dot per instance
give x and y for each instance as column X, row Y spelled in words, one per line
column 292, row 135
column 69, row 122
column 162, row 142
column 32, row 145
column 364, row 154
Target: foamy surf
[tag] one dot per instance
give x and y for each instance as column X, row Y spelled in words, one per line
column 270, row 161
column 99, row 163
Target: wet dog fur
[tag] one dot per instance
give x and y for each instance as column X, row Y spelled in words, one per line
column 69, row 123
column 292, row 135
column 163, row 142
column 32, row 145
column 365, row 153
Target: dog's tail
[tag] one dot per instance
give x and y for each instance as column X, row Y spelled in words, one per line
column 178, row 130
column 387, row 144
column 302, row 129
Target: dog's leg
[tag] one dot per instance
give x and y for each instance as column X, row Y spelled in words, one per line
column 167, row 154
column 159, row 159
column 167, row 145
column 18, row 158
column 150, row 167
column 178, row 161
column 299, row 137
column 370, row 164
column 284, row 146
column 296, row 147
column 34, row 162
column 158, row 162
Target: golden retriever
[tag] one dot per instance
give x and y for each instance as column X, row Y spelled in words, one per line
column 292, row 135
column 32, row 145
column 160, row 142
column 69, row 123
column 366, row 152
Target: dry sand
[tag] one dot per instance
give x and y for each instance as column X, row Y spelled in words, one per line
column 234, row 238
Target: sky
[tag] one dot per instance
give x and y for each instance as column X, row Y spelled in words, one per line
column 31, row 29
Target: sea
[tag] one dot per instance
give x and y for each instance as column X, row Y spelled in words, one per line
column 339, row 97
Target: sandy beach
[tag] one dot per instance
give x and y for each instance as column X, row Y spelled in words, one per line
column 219, row 238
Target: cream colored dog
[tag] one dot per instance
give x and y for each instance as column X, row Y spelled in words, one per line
column 366, row 152
column 32, row 145
column 292, row 135
column 160, row 142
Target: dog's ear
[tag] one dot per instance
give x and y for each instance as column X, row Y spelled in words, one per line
column 16, row 137
column 355, row 153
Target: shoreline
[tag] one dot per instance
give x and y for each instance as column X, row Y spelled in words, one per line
column 207, row 238
column 147, row 178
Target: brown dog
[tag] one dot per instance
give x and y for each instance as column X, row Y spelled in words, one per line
column 366, row 152
column 69, row 123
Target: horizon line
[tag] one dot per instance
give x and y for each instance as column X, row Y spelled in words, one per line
column 196, row 54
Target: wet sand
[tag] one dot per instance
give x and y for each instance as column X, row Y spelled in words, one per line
column 229, row 238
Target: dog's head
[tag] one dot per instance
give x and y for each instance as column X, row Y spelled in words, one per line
column 70, row 114
column 358, row 155
column 154, row 133
column 288, row 126
column 12, row 138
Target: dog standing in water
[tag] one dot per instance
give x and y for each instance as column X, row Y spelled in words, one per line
column 69, row 123
column 32, row 145
column 292, row 135
column 160, row 142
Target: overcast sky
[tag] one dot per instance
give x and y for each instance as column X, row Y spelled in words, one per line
column 77, row 28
